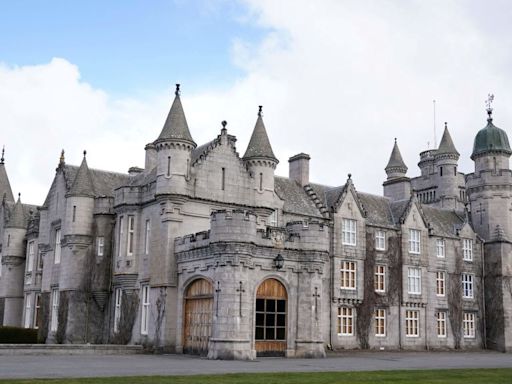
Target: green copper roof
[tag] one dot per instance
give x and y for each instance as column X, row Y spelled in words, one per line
column 490, row 139
column 176, row 126
column 259, row 145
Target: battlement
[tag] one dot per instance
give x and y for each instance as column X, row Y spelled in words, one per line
column 197, row 240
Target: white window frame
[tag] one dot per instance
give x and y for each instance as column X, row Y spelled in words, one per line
column 414, row 281
column 468, row 325
column 345, row 321
column 348, row 274
column 28, row 311
column 414, row 241
column 440, row 283
column 118, row 294
column 440, row 248
column 441, row 324
column 130, row 244
column 468, row 285
column 467, row 249
column 380, row 278
column 147, row 235
column 37, row 307
column 100, row 246
column 144, row 313
column 380, row 322
column 412, row 323
column 30, row 256
column 349, row 232
column 380, row 240
column 58, row 249
column 54, row 321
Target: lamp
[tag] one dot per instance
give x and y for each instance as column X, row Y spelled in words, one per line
column 278, row 261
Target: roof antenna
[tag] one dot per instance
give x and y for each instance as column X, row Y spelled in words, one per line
column 3, row 153
column 435, row 133
column 488, row 102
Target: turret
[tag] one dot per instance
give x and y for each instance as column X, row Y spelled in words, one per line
column 398, row 185
column 5, row 186
column 261, row 162
column 13, row 265
column 173, row 151
column 445, row 161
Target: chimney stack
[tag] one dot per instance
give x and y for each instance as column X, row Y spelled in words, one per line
column 299, row 168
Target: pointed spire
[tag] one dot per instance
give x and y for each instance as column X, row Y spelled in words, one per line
column 5, row 185
column 17, row 218
column 176, row 127
column 259, row 145
column 446, row 145
column 396, row 163
column 83, row 184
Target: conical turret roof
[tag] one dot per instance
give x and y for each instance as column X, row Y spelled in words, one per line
column 176, row 127
column 83, row 184
column 5, row 185
column 17, row 218
column 446, row 145
column 259, row 145
column 395, row 160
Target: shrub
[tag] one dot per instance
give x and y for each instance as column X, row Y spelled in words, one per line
column 15, row 335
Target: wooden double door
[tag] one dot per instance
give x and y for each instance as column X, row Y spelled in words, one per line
column 271, row 319
column 198, row 317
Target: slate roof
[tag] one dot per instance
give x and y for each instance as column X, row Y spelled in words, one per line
column 378, row 209
column 296, row 200
column 395, row 160
column 444, row 223
column 17, row 217
column 176, row 126
column 398, row 209
column 82, row 184
column 5, row 185
column 197, row 152
column 259, row 145
column 446, row 145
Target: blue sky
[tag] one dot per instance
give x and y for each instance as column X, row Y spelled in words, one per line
column 129, row 46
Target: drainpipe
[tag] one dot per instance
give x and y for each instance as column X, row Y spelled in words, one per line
column 331, row 277
column 483, row 296
column 400, row 290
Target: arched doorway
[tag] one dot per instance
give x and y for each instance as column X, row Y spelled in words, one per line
column 270, row 324
column 198, row 317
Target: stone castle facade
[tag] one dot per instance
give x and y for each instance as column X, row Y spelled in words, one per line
column 204, row 251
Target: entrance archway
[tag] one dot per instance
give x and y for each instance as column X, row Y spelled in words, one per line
column 198, row 317
column 271, row 323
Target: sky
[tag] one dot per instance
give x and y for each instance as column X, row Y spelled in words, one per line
column 337, row 79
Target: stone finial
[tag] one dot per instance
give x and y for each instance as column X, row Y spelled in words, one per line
column 224, row 123
column 85, row 153
column 61, row 159
column 177, row 91
column 2, row 159
column 260, row 110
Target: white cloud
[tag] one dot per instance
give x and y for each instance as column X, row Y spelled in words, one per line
column 338, row 80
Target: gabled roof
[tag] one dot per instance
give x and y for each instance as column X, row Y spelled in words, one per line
column 395, row 160
column 295, row 198
column 259, row 145
column 5, row 185
column 446, row 145
column 82, row 184
column 176, row 127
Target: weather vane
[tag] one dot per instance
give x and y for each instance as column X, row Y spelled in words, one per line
column 488, row 103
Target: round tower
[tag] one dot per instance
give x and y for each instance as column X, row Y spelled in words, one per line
column 261, row 162
column 445, row 162
column 173, row 151
column 13, row 265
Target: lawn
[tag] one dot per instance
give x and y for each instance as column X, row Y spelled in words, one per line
column 452, row 376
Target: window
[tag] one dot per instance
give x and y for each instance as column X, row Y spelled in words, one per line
column 28, row 314
column 100, row 245
column 131, row 234
column 380, row 241
column 468, row 325
column 414, row 241
column 441, row 324
column 55, row 310
column 380, row 322
column 30, row 256
column 223, row 179
column 261, row 181
column 120, row 235
column 440, row 248
column 414, row 281
column 270, row 319
column 74, row 213
column 467, row 286
column 146, row 237
column 467, row 249
column 345, row 321
column 144, row 318
column 349, row 232
column 440, row 284
column 37, row 310
column 168, row 166
column 57, row 247
column 380, row 278
column 348, row 275
column 9, row 239
column 117, row 308
column 440, row 171
column 272, row 219
column 412, row 323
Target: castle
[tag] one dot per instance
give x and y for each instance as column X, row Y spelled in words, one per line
column 204, row 251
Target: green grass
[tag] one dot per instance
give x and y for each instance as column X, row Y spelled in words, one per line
column 448, row 376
